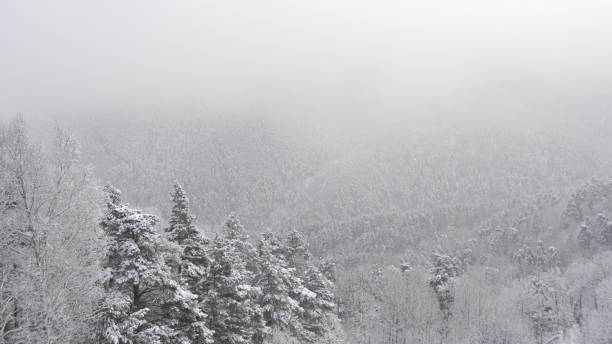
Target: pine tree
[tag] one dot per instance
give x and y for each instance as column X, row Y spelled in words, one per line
column 193, row 258
column 317, row 301
column 233, row 229
column 234, row 317
column 314, row 293
column 144, row 304
column 236, row 235
column 443, row 272
column 297, row 251
column 182, row 230
column 278, row 283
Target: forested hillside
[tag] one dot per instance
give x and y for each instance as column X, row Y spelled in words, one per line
column 283, row 173
column 305, row 172
column 78, row 264
column 450, row 234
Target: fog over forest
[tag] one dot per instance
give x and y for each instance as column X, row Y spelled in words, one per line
column 338, row 172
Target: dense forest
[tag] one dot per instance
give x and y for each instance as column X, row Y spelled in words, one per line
column 256, row 232
column 305, row 172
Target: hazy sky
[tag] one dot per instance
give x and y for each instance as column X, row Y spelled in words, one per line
column 349, row 57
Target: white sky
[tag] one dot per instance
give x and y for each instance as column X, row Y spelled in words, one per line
column 357, row 57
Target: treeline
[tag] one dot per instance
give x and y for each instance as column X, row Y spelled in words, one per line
column 196, row 290
column 50, row 243
column 527, row 278
column 79, row 265
column 280, row 173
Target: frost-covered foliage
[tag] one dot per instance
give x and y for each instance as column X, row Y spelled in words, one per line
column 144, row 304
column 224, row 291
column 278, row 173
column 547, row 313
column 230, row 299
column 522, row 245
column 49, row 241
column 318, row 304
column 526, row 280
column 537, row 259
column 279, row 285
column 182, row 228
column 443, row 273
column 192, row 244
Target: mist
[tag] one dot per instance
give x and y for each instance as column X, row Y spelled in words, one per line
column 305, row 172
column 351, row 59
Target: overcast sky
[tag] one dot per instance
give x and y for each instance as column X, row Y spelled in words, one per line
column 347, row 57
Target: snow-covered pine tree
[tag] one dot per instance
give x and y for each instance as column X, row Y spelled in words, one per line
column 317, row 301
column 193, row 256
column 297, row 251
column 182, row 230
column 233, row 229
column 315, row 294
column 443, row 272
column 235, row 233
column 233, row 314
column 131, row 248
column 143, row 304
column 278, row 283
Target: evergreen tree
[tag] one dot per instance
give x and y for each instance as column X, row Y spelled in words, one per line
column 182, row 230
column 443, row 272
column 144, row 304
column 297, row 251
column 194, row 257
column 278, row 283
column 233, row 229
column 317, row 302
column 236, row 235
column 234, row 316
column 313, row 290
